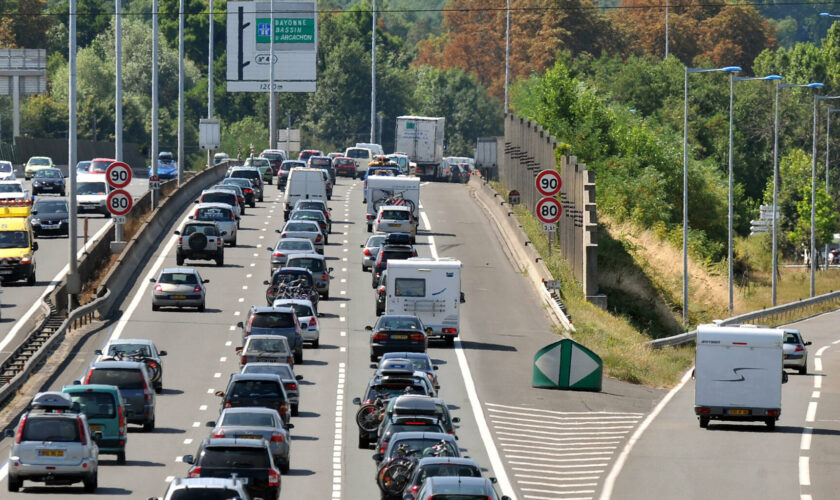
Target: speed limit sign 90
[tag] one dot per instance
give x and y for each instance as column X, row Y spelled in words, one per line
column 548, row 210
column 118, row 175
column 549, row 182
column 119, row 202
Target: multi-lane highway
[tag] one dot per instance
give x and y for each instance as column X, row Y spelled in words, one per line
column 539, row 443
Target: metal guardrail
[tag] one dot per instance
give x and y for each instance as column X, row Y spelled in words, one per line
column 35, row 357
column 784, row 311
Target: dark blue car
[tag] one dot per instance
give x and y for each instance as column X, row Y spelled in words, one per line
column 167, row 166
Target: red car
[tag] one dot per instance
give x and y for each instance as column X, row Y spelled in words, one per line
column 344, row 166
column 306, row 153
column 275, row 157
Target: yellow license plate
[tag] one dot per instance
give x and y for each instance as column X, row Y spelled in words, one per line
column 51, row 453
column 179, row 297
column 785, row 356
column 394, row 225
column 738, row 412
column 95, row 428
column 399, row 337
column 249, row 437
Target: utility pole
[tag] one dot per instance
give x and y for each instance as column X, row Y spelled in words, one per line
column 118, row 111
column 210, row 81
column 181, row 92
column 667, row 8
column 155, row 98
column 272, row 104
column 507, row 58
column 73, row 281
column 373, row 75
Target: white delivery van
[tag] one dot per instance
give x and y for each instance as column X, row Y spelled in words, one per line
column 376, row 149
column 738, row 374
column 92, row 194
column 304, row 184
column 392, row 190
column 362, row 158
column 429, row 289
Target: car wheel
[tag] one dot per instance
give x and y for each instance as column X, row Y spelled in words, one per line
column 30, row 280
column 316, row 343
column 285, row 467
column 91, row 483
column 149, row 426
column 449, row 340
column 14, row 484
column 374, row 358
column 704, row 422
column 35, row 235
column 158, row 388
column 364, row 269
column 121, row 458
column 803, row 370
column 369, row 227
column 233, row 243
column 179, row 259
column 155, row 307
column 253, row 204
column 201, row 308
column 378, row 311
column 364, row 443
column 299, row 357
column 326, row 295
column 295, row 410
column 771, row 424
column 62, row 193
column 261, row 198
column 220, row 260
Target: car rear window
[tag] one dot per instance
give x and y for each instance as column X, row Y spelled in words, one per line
column 301, row 310
column 421, row 445
column 294, row 245
column 302, row 226
column 124, row 378
column 290, row 278
column 344, row 161
column 320, row 162
column 398, row 323
column 208, row 230
column 61, row 430
column 91, row 188
column 228, row 198
column 279, row 369
column 267, row 345
column 314, row 265
column 245, row 174
column 410, row 287
column 139, row 349
column 234, row 457
column 99, row 166
column 358, row 153
column 213, row 214
column 251, row 419
column 255, row 389
column 435, row 470
column 395, row 214
column 212, row 493
column 395, row 254
column 273, row 320
column 178, row 279
column 95, row 404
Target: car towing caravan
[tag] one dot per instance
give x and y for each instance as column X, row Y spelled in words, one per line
column 17, row 242
column 738, row 374
column 392, row 190
column 429, row 289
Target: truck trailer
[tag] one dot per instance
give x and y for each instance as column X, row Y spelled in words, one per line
column 421, row 138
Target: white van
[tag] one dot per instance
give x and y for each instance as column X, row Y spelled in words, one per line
column 392, row 190
column 304, row 184
column 375, row 148
column 362, row 157
column 429, row 289
column 92, row 194
column 738, row 374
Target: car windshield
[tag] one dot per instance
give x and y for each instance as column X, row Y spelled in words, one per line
column 39, row 161
column 295, row 245
column 124, row 378
column 51, row 207
column 5, row 167
column 237, row 182
column 314, row 265
column 302, row 226
column 272, row 156
column 272, row 368
column 375, row 241
column 257, row 162
column 398, row 323
column 344, row 161
column 212, row 493
column 309, row 205
column 213, row 214
column 423, row 447
column 178, row 279
column 12, row 187
column 217, row 197
column 358, row 153
column 95, row 404
column 131, row 349
column 394, row 254
column 249, row 419
column 61, row 430
column 255, row 389
column 288, row 165
column 307, row 215
column 99, row 166
column 83, row 166
column 206, row 229
column 14, row 239
column 320, row 162
column 48, row 173
column 273, row 320
column 415, row 427
column 396, row 214
column 91, row 188
column 234, row 458
column 388, row 391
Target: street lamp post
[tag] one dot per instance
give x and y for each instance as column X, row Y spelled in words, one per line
column 828, row 14
column 814, row 188
column 732, row 80
column 827, row 162
column 727, row 69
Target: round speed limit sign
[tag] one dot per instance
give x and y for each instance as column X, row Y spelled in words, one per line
column 119, row 202
column 548, row 210
column 549, row 182
column 118, row 175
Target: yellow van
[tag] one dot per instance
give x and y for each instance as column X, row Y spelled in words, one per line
column 17, row 244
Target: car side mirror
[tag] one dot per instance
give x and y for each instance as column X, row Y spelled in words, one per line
column 374, row 366
column 784, row 377
column 298, row 377
column 77, row 382
column 205, row 281
column 190, row 217
column 456, row 420
column 34, row 246
column 505, row 497
column 362, row 245
column 278, row 231
column 369, row 328
column 221, row 394
column 238, row 350
column 266, row 282
column 97, row 436
column 269, row 249
column 808, row 343
column 377, row 457
column 177, row 232
column 435, row 367
column 289, row 426
column 210, row 423
column 196, row 201
column 357, row 401
column 34, row 212
column 463, row 299
column 240, row 325
column 98, row 352
column 152, row 280
column 188, row 459
column 162, row 353
column 9, row 433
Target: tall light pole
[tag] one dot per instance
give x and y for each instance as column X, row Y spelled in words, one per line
column 155, row 98
column 373, row 74
column 775, row 265
column 210, row 80
column 73, row 281
column 507, row 58
column 727, row 69
column 272, row 103
column 814, row 191
column 827, row 162
column 667, row 8
column 180, row 92
column 828, row 14
column 732, row 80
column 118, row 111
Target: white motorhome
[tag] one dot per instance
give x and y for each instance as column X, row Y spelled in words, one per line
column 392, row 190
column 738, row 374
column 376, row 149
column 429, row 289
column 304, row 184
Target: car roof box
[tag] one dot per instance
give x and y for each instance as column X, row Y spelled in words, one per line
column 398, row 239
column 53, row 401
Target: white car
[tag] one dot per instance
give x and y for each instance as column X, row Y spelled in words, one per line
column 370, row 249
column 304, row 229
column 395, row 219
column 7, row 171
column 306, row 315
column 92, row 194
column 13, row 190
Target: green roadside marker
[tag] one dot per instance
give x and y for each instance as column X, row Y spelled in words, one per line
column 567, row 365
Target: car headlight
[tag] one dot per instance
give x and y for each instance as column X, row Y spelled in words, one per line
column 26, row 258
column 35, row 221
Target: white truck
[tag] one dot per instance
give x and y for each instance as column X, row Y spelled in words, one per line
column 429, row 289
column 486, row 155
column 738, row 374
column 421, row 138
column 392, row 190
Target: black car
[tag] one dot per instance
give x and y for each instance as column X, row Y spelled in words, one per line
column 389, row 252
column 48, row 180
column 324, row 163
column 247, row 189
column 394, row 332
column 249, row 459
column 257, row 389
column 459, row 175
column 281, row 321
column 50, row 216
column 291, row 276
column 285, row 168
column 383, row 388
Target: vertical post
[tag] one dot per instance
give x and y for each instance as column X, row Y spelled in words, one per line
column 180, row 92
column 373, row 75
column 16, row 107
column 272, row 104
column 729, row 236
column 667, row 8
column 288, row 134
column 379, row 128
column 118, row 111
column 73, row 282
column 210, row 81
column 813, row 198
column 155, row 98
column 685, row 199
column 827, row 142
column 507, row 56
column 775, row 193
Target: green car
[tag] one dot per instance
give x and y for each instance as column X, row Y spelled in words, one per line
column 105, row 411
column 264, row 164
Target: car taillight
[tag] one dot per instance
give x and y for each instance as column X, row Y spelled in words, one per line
column 799, row 348
column 146, row 395
column 249, row 191
column 289, row 360
column 232, row 217
column 417, row 336
column 383, row 447
column 278, row 254
column 219, row 434
column 276, row 437
column 158, row 288
column 313, row 322
column 274, row 477
column 19, row 432
column 327, row 215
column 227, row 404
column 380, row 336
column 370, row 216
column 317, row 238
column 367, row 252
column 121, row 420
column 283, row 235
column 244, row 360
column 282, row 409
column 381, row 289
column 449, row 330
column 414, row 489
column 325, row 276
column 82, row 436
column 218, row 241
column 197, row 289
column 195, row 472
column 180, row 240
column 291, row 386
column 87, row 378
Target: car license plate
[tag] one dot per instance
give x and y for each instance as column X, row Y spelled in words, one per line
column 179, row 297
column 50, row 453
column 399, row 337
column 738, row 412
column 249, row 436
column 95, row 428
column 50, row 226
column 785, row 356
column 394, row 225
column 5, row 271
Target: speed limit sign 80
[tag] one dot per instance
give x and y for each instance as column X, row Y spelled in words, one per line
column 548, row 210
column 548, row 182
column 118, row 175
column 119, row 202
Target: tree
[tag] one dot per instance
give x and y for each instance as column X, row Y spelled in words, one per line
column 242, row 134
column 42, row 116
column 825, row 219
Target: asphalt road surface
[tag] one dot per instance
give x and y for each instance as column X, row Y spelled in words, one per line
column 539, row 443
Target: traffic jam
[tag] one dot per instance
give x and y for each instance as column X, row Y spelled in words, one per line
column 401, row 416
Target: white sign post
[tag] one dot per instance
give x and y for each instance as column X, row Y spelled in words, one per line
column 118, row 175
column 209, row 133
column 249, row 32
column 548, row 211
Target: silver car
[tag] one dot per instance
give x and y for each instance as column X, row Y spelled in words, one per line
column 286, row 374
column 179, row 287
column 204, row 487
column 795, row 351
column 222, row 214
column 314, row 215
column 370, row 249
column 304, row 310
column 317, row 265
column 285, row 248
column 304, row 229
column 53, row 444
column 266, row 349
column 395, row 219
column 233, row 188
column 257, row 423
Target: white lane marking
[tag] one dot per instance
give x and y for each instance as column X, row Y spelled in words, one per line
column 822, row 349
column 339, row 426
column 223, row 359
column 343, row 292
column 249, row 275
column 817, row 364
column 342, row 319
column 236, row 313
column 188, row 441
column 241, row 299
column 210, row 391
column 804, row 471
column 815, row 394
column 344, row 259
column 804, row 497
column 343, row 333
column 232, row 327
column 344, row 269
column 253, row 264
column 342, row 349
column 805, row 442
column 428, row 227
column 836, row 342
column 817, row 382
column 202, row 408
column 229, row 343
column 169, row 479
column 217, row 375
column 609, row 482
column 244, row 287
column 55, row 281
column 812, row 411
